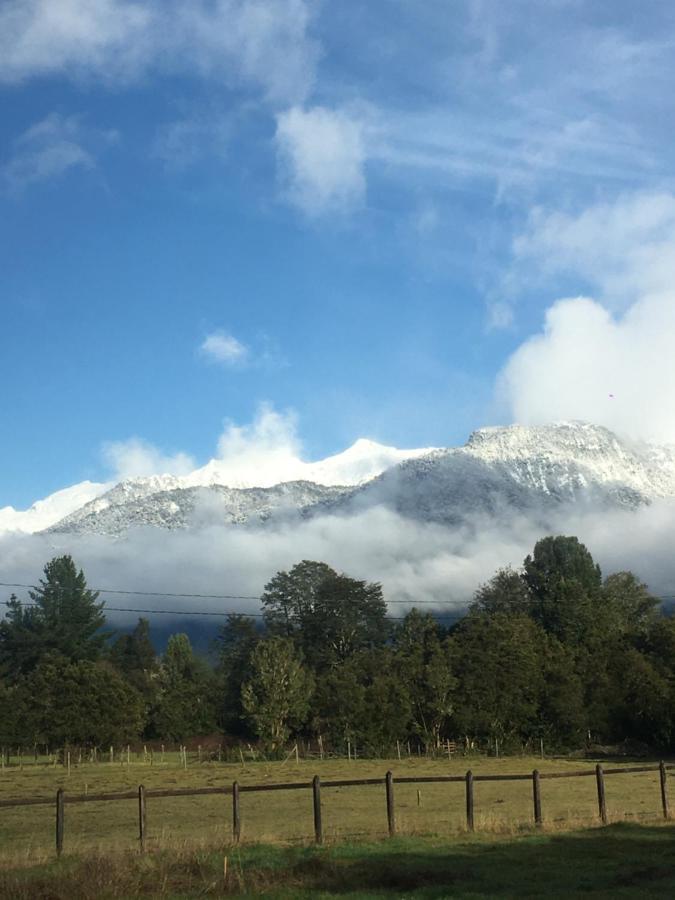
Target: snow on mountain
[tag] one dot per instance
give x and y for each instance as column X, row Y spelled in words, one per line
column 498, row 471
column 359, row 463
column 522, row 469
column 199, row 507
column 362, row 461
column 52, row 509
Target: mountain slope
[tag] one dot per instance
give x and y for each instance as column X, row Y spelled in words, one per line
column 499, row 471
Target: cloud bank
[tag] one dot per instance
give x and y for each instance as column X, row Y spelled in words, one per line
column 431, row 564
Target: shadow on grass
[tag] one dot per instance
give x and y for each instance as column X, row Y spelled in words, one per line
column 619, row 861
column 623, row 860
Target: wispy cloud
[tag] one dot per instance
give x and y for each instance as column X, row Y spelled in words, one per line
column 185, row 142
column 50, row 148
column 225, row 349
column 259, row 42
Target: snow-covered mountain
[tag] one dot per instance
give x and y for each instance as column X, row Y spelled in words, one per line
column 91, row 506
column 534, row 470
column 52, row 509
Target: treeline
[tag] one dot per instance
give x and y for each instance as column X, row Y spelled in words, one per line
column 551, row 652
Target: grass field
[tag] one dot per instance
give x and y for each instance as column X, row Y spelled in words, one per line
column 350, row 813
column 620, row 861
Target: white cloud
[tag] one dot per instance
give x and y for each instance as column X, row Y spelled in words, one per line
column 224, row 348
column 322, row 156
column 49, row 149
column 588, row 364
column 623, row 248
column 260, row 42
column 413, row 561
column 606, row 360
column 269, row 444
column 136, row 458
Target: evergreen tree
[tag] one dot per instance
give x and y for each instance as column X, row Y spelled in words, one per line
column 64, row 619
column 185, row 704
column 133, row 655
column 236, row 643
column 79, row 703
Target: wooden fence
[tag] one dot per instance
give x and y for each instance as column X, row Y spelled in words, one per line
column 389, row 782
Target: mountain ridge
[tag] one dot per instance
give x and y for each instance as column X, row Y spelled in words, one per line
column 500, row 470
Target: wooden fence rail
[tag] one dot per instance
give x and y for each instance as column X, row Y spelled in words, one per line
column 469, row 779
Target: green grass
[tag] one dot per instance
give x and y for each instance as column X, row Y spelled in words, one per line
column 620, row 861
column 349, row 814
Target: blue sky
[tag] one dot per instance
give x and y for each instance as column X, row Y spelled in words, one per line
column 366, row 215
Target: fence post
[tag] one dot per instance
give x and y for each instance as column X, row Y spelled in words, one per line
column 236, row 813
column 141, row 817
column 664, row 790
column 602, row 805
column 316, row 794
column 536, row 796
column 391, row 816
column 469, row 800
column 59, row 821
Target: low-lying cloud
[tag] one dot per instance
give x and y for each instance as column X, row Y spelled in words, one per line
column 433, row 565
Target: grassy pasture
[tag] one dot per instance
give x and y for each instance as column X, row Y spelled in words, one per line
column 622, row 861
column 349, row 813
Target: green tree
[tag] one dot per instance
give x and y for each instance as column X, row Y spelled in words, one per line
column 236, row 643
column 290, row 597
column 506, row 592
column 185, row 704
column 79, row 703
column 565, row 584
column 500, row 675
column 424, row 665
column 277, row 695
column 328, row 616
column 133, row 655
column 64, row 619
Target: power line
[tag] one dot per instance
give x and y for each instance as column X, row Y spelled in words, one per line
column 210, row 596
column 36, row 587
column 193, row 612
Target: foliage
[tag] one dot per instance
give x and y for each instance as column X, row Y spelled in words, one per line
column 276, row 696
column 64, row 618
column 79, row 703
column 184, row 703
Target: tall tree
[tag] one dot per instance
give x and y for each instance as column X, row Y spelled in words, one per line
column 506, row 592
column 276, row 697
column 290, row 597
column 424, row 664
column 134, row 656
column 236, row 642
column 328, row 616
column 185, row 693
column 64, row 619
column 565, row 584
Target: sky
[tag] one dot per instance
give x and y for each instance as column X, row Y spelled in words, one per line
column 384, row 219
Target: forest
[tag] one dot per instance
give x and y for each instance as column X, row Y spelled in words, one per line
column 553, row 652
